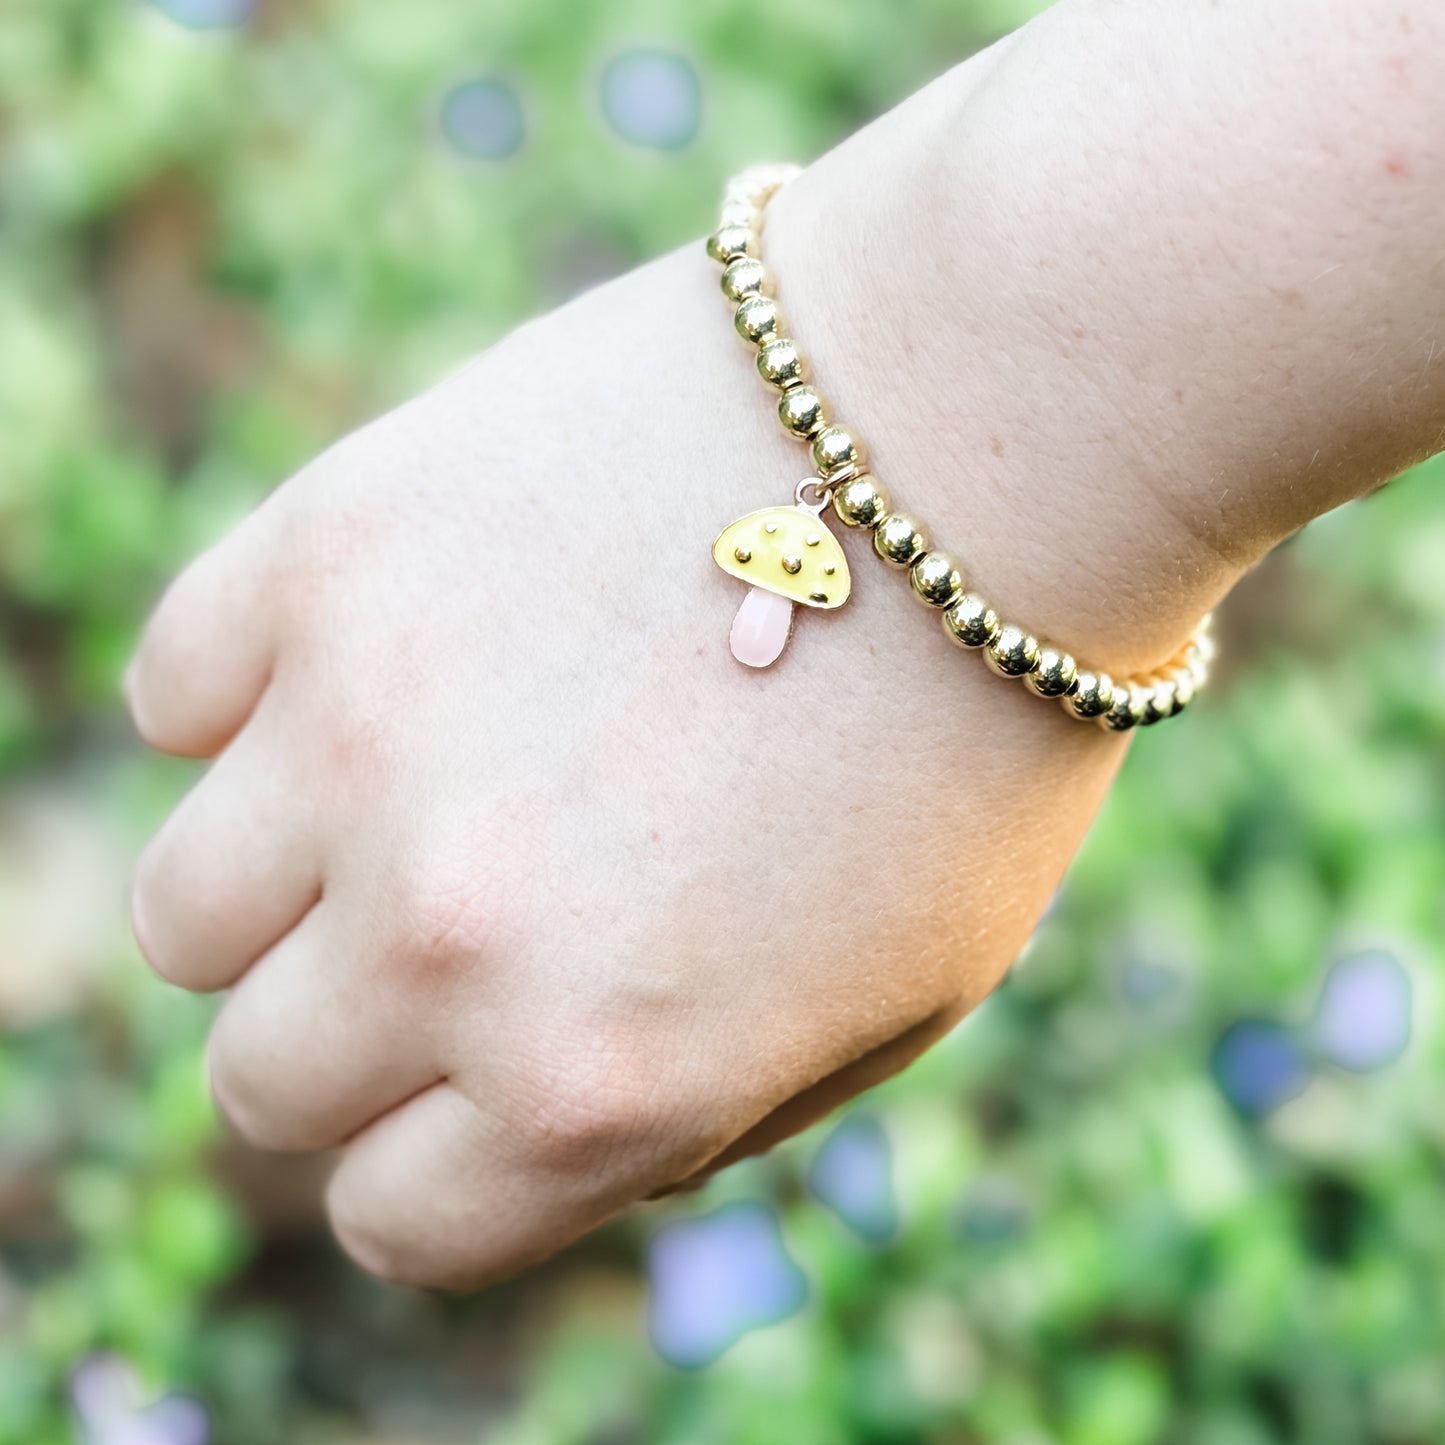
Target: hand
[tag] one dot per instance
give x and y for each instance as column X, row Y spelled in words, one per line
column 532, row 900
column 529, row 895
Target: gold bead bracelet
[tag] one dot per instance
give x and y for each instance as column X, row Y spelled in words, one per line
column 789, row 556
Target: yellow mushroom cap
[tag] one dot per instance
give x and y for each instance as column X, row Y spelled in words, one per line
column 786, row 550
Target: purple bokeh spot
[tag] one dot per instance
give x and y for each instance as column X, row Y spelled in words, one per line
column 1363, row 1019
column 853, row 1175
column 104, row 1394
column 1258, row 1066
column 715, row 1278
column 207, row 14
column 483, row 118
column 652, row 98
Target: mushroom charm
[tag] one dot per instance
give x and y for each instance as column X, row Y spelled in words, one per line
column 788, row 556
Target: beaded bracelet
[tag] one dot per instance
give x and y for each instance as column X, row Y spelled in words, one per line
column 789, row 556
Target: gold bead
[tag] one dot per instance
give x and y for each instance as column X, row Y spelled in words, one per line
column 757, row 183
column 1013, row 653
column 861, row 501
column 1092, row 697
column 1160, row 700
column 746, row 189
column 936, row 579
column 1195, row 665
column 835, row 449
column 1057, row 674
column 971, row 622
column 800, row 410
column 899, row 539
column 739, row 213
column 758, row 319
column 1129, row 710
column 1184, row 687
column 744, row 277
column 727, row 243
column 780, row 363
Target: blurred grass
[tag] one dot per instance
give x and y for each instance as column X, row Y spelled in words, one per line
column 220, row 250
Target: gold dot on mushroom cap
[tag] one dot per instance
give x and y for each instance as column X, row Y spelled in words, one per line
column 788, row 551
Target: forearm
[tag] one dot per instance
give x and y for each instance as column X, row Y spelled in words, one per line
column 1124, row 301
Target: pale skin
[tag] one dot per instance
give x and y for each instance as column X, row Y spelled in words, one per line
column 531, row 901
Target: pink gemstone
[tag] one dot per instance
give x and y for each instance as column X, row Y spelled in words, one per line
column 760, row 630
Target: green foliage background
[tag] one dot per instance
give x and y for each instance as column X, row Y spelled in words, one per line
column 217, row 252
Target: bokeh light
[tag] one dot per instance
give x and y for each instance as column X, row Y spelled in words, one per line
column 853, row 1175
column 1363, row 1019
column 1258, row 1066
column 106, row 1399
column 715, row 1278
column 207, row 14
column 483, row 118
column 652, row 98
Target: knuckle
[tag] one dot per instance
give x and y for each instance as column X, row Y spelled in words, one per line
column 175, row 904
column 445, row 923
column 360, row 748
column 374, row 1253
column 247, row 1107
column 362, row 1246
column 322, row 535
column 593, row 1108
column 421, row 1256
column 382, row 1253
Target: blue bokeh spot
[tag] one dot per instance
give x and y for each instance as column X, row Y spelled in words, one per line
column 652, row 98
column 1363, row 1019
column 715, row 1278
column 1258, row 1066
column 853, row 1175
column 483, row 118
column 207, row 14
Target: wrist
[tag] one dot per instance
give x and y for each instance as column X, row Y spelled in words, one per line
column 1051, row 347
column 931, row 342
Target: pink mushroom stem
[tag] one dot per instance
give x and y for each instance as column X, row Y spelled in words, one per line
column 760, row 630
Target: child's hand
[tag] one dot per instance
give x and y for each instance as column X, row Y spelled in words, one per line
column 532, row 899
